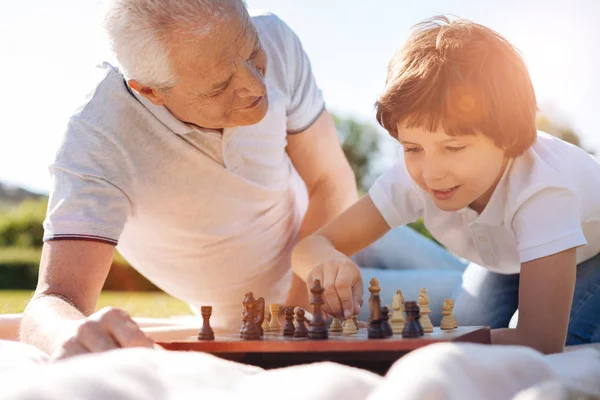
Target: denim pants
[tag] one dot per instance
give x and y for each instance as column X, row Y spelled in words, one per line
column 404, row 259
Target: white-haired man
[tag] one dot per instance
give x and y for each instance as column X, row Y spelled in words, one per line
column 205, row 157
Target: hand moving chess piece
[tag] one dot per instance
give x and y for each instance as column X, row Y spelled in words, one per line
column 411, row 327
column 424, row 310
column 249, row 330
column 301, row 329
column 398, row 313
column 206, row 332
column 289, row 328
column 318, row 326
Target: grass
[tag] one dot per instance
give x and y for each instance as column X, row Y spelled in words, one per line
column 137, row 304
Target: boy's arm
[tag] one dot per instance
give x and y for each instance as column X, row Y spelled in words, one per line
column 324, row 256
column 546, row 290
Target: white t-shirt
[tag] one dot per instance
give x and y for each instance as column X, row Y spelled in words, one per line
column 547, row 201
column 206, row 217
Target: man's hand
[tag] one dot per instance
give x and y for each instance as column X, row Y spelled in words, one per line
column 343, row 285
column 107, row 329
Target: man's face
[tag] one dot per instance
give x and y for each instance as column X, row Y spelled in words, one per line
column 221, row 76
column 457, row 171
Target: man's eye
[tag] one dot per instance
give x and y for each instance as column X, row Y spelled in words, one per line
column 458, row 148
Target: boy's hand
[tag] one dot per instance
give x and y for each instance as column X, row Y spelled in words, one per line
column 343, row 285
column 106, row 329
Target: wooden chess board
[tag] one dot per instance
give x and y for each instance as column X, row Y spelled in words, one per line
column 275, row 351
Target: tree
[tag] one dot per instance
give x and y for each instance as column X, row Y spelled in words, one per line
column 544, row 123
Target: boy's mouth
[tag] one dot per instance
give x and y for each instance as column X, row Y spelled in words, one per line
column 444, row 194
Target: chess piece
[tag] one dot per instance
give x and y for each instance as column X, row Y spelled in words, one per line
column 249, row 330
column 274, row 325
column 418, row 320
column 451, row 301
column 386, row 328
column 355, row 320
column 260, row 314
column 289, row 328
column 411, row 328
column 398, row 313
column 375, row 330
column 448, row 321
column 265, row 324
column 318, row 325
column 348, row 327
column 206, row 332
column 373, row 289
column 336, row 326
column 301, row 329
column 424, row 311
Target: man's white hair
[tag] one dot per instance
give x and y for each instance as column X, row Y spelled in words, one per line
column 139, row 32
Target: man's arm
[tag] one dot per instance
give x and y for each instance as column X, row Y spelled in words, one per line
column 546, row 289
column 72, row 273
column 318, row 157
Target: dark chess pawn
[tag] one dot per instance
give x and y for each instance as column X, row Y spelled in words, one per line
column 411, row 327
column 375, row 321
column 250, row 331
column 289, row 328
column 206, row 332
column 301, row 329
column 318, row 326
column 386, row 328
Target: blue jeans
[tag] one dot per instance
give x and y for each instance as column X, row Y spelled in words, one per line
column 403, row 259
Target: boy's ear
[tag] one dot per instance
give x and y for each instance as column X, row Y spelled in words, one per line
column 151, row 94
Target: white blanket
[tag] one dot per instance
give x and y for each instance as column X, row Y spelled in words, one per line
column 440, row 371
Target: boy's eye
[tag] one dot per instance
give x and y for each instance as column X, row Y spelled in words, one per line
column 411, row 149
column 457, row 148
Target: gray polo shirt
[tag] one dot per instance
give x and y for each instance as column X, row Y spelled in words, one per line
column 205, row 216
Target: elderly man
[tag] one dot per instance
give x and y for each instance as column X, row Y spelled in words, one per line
column 204, row 157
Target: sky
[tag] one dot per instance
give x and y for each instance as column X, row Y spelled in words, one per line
column 48, row 51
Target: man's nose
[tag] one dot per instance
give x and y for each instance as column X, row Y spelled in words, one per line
column 253, row 84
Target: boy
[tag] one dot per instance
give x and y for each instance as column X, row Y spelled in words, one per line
column 522, row 204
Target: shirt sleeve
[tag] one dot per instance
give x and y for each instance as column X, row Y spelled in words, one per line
column 547, row 223
column 306, row 101
column 395, row 196
column 89, row 196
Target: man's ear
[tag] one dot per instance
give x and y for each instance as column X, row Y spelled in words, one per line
column 151, row 94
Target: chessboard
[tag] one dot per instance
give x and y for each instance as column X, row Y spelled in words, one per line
column 276, row 350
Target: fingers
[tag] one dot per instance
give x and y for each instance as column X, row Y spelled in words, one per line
column 333, row 304
column 344, row 285
column 70, row 348
column 93, row 336
column 124, row 330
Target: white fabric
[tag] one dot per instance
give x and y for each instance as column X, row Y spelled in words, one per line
column 547, row 201
column 441, row 371
column 204, row 216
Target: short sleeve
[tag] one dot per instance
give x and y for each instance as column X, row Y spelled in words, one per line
column 395, row 197
column 89, row 196
column 547, row 223
column 306, row 101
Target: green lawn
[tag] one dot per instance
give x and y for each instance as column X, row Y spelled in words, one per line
column 138, row 304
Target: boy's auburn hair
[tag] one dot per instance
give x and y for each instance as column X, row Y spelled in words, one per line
column 464, row 78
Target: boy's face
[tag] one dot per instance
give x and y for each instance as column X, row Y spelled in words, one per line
column 457, row 171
